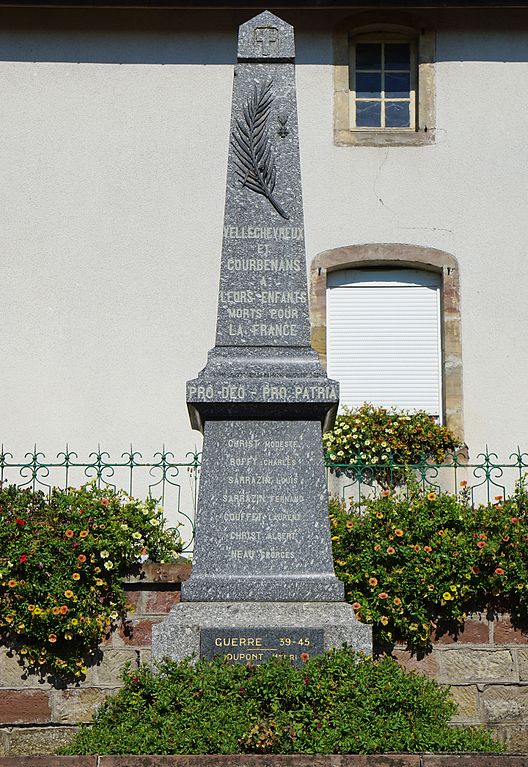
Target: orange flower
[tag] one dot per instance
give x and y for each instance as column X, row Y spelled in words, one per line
column 397, row 601
column 69, row 533
column 104, row 501
column 63, row 609
column 383, row 595
column 385, row 493
column 390, row 550
column 481, row 544
column 373, row 581
column 505, row 537
column 82, row 558
column 52, row 638
column 441, row 532
column 83, row 533
column 416, row 547
column 498, row 497
column 305, row 656
column 499, row 571
column 514, row 520
column 463, row 483
column 398, row 532
column 428, row 549
column 11, row 583
column 31, row 608
column 55, row 610
column 377, row 547
column 356, row 605
column 76, row 576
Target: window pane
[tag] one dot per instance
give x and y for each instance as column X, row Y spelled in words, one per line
column 397, row 85
column 368, row 85
column 368, row 114
column 397, row 56
column 368, row 56
column 397, row 114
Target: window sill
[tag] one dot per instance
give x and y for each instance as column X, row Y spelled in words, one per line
column 380, row 138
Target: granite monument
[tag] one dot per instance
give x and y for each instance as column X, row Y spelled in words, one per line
column 262, row 581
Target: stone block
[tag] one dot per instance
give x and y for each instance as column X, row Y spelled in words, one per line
column 474, row 631
column 74, row 706
column 108, row 672
column 473, row 760
column 505, row 703
column 522, row 661
column 160, row 602
column 14, row 676
column 456, row 666
column 514, row 736
column 505, row 633
column 24, row 707
column 136, row 633
column 153, row 572
column 43, row 740
column 134, row 598
column 427, row 665
column 466, row 698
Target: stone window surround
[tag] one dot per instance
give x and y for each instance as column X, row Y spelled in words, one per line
column 401, row 255
column 424, row 134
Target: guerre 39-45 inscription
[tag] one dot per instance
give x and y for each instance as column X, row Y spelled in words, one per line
column 256, row 645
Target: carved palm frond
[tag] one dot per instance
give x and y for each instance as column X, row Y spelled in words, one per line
column 254, row 162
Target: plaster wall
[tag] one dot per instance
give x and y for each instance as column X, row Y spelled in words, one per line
column 114, row 135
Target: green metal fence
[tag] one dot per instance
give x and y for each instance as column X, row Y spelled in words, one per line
column 175, row 483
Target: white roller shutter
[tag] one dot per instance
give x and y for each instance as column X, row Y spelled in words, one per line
column 383, row 337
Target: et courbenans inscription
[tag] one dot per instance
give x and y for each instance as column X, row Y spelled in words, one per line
column 256, row 645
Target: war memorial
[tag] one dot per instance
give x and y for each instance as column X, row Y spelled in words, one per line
column 263, row 582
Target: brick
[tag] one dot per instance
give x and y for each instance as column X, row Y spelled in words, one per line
column 264, row 760
column 134, row 599
column 474, row 631
column 74, row 706
column 505, row 703
column 505, row 633
column 108, row 672
column 14, row 676
column 473, row 760
column 151, row 572
column 42, row 740
column 474, row 665
column 24, row 707
column 136, row 633
column 427, row 665
column 160, row 602
column 466, row 698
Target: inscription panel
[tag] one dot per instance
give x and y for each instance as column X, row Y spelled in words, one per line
column 255, row 645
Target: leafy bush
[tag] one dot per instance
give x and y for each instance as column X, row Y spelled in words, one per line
column 378, row 436
column 413, row 564
column 62, row 563
column 336, row 703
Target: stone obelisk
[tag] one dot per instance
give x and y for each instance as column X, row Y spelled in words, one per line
column 262, row 548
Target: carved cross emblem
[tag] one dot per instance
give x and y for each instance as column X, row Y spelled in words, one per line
column 268, row 40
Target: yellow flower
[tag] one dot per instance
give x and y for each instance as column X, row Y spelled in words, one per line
column 349, row 524
column 74, row 622
column 68, row 593
column 384, row 620
column 76, row 576
column 447, row 596
column 9, row 618
column 398, row 532
column 68, row 635
column 99, row 582
column 431, row 496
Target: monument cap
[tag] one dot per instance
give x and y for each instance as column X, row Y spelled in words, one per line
column 266, row 38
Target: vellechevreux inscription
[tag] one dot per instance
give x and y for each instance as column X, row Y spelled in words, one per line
column 256, row 645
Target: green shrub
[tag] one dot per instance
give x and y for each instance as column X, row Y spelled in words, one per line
column 336, row 703
column 412, row 564
column 62, row 563
column 379, row 436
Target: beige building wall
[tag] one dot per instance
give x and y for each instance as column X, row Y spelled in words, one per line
column 114, row 135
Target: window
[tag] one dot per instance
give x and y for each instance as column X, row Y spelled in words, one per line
column 386, row 317
column 383, row 339
column 383, row 85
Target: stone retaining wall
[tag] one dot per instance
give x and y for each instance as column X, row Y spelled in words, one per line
column 487, row 668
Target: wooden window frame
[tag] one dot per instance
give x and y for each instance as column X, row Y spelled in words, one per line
column 423, row 39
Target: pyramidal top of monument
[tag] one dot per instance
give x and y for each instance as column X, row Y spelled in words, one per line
column 267, row 37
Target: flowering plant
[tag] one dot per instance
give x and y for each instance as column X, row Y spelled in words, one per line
column 417, row 564
column 379, row 436
column 62, row 563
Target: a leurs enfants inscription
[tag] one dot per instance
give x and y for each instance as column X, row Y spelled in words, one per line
column 256, row 645
column 251, row 143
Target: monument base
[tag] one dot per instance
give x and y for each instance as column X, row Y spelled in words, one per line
column 245, row 630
